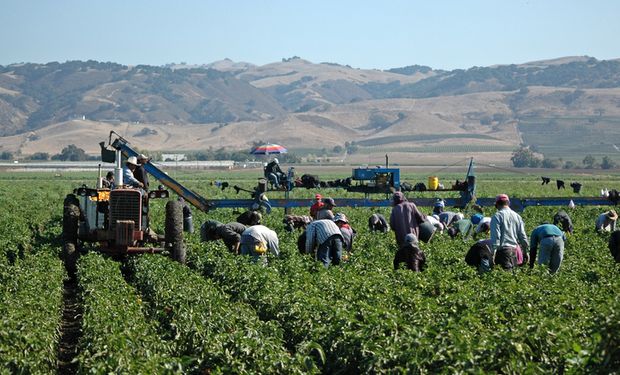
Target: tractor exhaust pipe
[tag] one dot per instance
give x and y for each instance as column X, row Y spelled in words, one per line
column 99, row 182
column 118, row 170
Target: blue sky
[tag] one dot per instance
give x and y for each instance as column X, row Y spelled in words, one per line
column 364, row 34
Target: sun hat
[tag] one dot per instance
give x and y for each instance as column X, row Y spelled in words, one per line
column 340, row 217
column 142, row 157
column 612, row 215
column 132, row 160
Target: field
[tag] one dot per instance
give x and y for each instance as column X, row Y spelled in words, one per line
column 222, row 313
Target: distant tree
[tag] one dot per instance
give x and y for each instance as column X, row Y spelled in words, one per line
column 40, row 156
column 589, row 161
column 6, row 155
column 551, row 163
column 524, row 157
column 337, row 149
column 72, row 153
column 607, row 163
column 570, row 165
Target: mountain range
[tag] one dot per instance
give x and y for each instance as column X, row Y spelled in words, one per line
column 562, row 108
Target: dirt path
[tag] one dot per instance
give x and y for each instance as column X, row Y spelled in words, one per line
column 70, row 328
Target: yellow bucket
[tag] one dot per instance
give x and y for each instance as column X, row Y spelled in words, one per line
column 433, row 183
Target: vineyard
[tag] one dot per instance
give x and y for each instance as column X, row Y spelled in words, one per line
column 222, row 313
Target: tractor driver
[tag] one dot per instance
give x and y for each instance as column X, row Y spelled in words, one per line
column 128, row 179
column 274, row 173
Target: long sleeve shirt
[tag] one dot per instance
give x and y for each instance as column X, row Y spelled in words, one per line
column 318, row 232
column 464, row 227
column 378, row 222
column 542, row 231
column 481, row 225
column 260, row 233
column 140, row 174
column 348, row 234
column 508, row 229
column 230, row 234
column 603, row 222
column 129, row 179
column 404, row 219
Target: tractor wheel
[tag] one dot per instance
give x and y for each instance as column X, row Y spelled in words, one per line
column 70, row 222
column 174, row 231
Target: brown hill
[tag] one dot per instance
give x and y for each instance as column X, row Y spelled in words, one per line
column 312, row 108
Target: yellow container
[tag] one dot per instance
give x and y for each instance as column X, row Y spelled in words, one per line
column 433, row 182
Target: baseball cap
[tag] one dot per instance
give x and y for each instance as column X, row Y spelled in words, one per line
column 502, row 198
column 411, row 238
column 329, row 202
column 318, row 196
column 398, row 197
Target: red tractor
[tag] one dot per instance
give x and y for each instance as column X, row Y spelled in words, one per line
column 117, row 220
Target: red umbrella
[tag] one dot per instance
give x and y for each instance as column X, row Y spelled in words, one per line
column 268, row 149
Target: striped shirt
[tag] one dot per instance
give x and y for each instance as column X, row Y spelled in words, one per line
column 318, row 232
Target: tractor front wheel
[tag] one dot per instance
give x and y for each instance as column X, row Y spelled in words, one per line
column 174, row 231
column 70, row 223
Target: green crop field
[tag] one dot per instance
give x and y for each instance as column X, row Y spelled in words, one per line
column 222, row 313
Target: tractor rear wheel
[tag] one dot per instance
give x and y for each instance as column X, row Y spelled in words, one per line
column 174, row 231
column 70, row 223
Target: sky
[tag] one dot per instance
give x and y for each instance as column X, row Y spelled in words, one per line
column 448, row 34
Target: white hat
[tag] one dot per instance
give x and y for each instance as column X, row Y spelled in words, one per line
column 132, row 160
column 276, row 160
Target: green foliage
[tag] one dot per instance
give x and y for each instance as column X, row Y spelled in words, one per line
column 524, row 157
column 607, row 163
column 31, row 295
column 6, row 155
column 211, row 332
column 116, row 337
column 71, row 153
column 589, row 161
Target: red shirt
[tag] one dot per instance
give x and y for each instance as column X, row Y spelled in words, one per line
column 315, row 208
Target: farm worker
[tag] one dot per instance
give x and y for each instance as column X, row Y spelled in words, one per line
column 483, row 224
column 550, row 239
column 564, row 221
column 188, row 222
column 326, row 212
column 448, row 217
column 614, row 245
column 434, row 219
column 348, row 233
column 140, row 173
column 508, row 239
column 410, row 254
column 292, row 222
column 318, row 203
column 438, row 206
column 326, row 237
column 249, row 218
column 480, row 256
column 377, row 222
column 273, row 172
column 108, row 181
column 257, row 240
column 128, row 178
column 606, row 222
column 405, row 218
column 463, row 226
column 230, row 233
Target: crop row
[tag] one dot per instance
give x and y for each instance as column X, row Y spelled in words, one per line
column 212, row 333
column 116, row 335
column 30, row 311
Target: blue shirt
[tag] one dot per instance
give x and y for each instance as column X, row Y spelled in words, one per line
column 128, row 178
column 545, row 230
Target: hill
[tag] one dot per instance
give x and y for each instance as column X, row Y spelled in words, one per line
column 311, row 107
